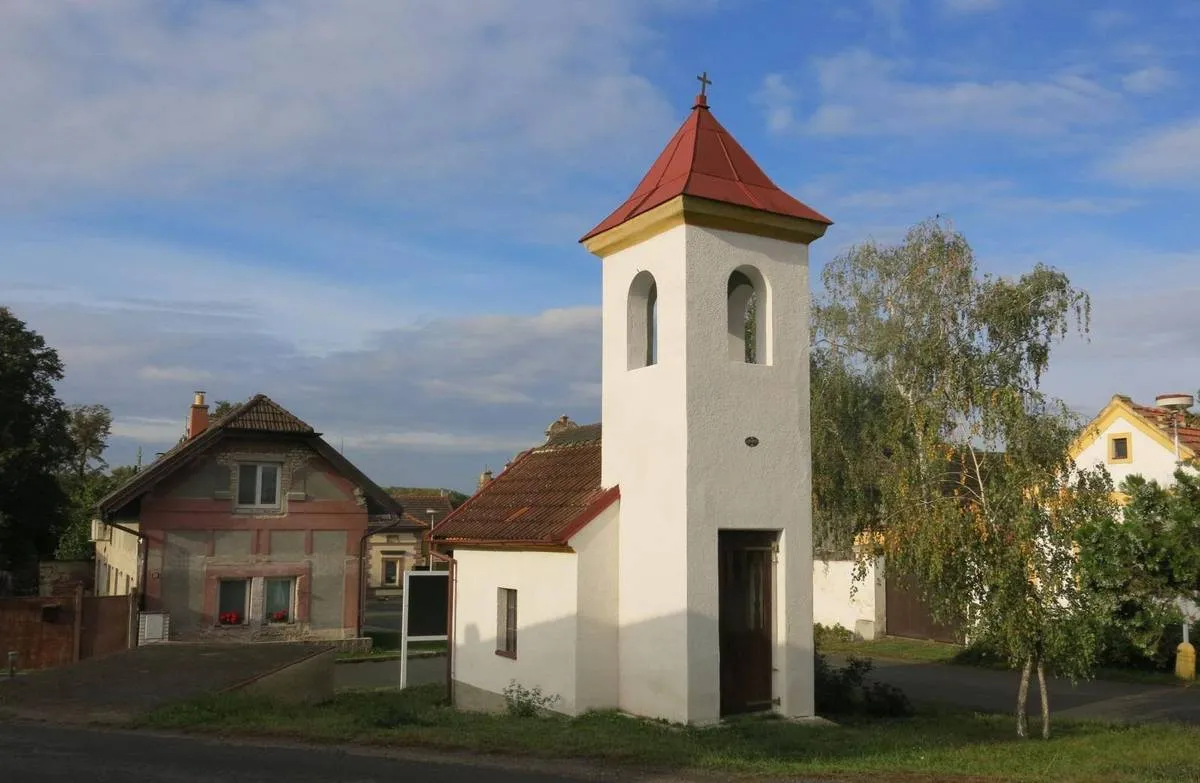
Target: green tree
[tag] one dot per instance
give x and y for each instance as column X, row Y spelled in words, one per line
column 221, row 408
column 84, row 480
column 1138, row 563
column 34, row 445
column 979, row 501
column 89, row 427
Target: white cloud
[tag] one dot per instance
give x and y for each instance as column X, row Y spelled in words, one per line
column 148, row 430
column 971, row 6
column 863, row 94
column 1147, row 81
column 465, row 443
column 166, row 373
column 1167, row 156
column 160, row 98
column 992, row 195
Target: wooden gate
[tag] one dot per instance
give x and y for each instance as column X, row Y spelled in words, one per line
column 909, row 616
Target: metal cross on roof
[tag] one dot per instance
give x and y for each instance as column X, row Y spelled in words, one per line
column 704, row 82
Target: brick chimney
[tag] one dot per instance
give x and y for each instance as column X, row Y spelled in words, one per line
column 197, row 416
column 485, row 478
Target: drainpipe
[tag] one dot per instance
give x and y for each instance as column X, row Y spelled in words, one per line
column 143, row 556
column 362, row 571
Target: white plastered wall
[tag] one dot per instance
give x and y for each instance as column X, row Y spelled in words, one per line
column 546, row 622
column 840, row 598
column 597, row 665
column 1150, row 457
column 675, row 441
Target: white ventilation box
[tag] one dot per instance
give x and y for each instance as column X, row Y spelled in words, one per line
column 100, row 531
column 153, row 627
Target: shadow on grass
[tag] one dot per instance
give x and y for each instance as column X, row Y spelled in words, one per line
column 933, row 744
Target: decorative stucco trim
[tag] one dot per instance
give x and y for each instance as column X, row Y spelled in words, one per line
column 695, row 211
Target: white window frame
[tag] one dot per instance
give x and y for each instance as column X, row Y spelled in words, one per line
column 258, row 466
column 245, row 613
column 293, row 600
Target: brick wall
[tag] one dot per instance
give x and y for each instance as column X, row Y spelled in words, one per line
column 40, row 630
column 46, row 632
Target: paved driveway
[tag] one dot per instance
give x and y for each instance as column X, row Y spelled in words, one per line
column 996, row 691
column 123, row 685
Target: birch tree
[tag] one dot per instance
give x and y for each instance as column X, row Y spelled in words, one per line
column 979, row 501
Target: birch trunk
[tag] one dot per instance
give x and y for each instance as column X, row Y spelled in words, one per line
column 1041, row 671
column 1022, row 698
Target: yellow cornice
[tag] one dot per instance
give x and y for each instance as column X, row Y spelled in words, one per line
column 695, row 211
column 1119, row 407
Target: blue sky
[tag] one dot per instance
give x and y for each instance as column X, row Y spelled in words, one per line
column 368, row 210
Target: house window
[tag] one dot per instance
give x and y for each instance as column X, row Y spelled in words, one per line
column 1119, row 448
column 279, row 605
column 258, row 486
column 233, row 597
column 393, row 570
column 506, row 623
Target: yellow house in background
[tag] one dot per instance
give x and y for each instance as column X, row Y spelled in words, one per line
column 1132, row 439
column 392, row 552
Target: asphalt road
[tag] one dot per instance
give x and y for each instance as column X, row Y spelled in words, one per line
column 996, row 691
column 37, row 753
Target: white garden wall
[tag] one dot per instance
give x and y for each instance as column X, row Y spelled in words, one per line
column 840, row 599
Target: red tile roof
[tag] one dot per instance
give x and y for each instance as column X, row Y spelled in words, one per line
column 704, row 160
column 544, row 497
column 1189, row 435
column 418, row 504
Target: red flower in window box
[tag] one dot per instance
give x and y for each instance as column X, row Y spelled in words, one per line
column 279, row 617
column 230, row 618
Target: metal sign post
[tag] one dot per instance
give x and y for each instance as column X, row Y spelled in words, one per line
column 425, row 617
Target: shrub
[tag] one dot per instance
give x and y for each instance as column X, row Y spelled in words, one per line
column 824, row 635
column 846, row 691
column 525, row 702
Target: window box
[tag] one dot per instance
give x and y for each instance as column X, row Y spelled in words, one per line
column 279, row 599
column 233, row 601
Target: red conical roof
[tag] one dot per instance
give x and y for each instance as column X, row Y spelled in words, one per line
column 704, row 160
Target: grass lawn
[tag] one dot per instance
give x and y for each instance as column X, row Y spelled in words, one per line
column 934, row 746
column 922, row 651
column 386, row 646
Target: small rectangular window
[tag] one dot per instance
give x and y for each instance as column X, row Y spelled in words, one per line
column 279, row 605
column 1119, row 448
column 506, row 623
column 232, row 600
column 258, row 485
column 392, row 572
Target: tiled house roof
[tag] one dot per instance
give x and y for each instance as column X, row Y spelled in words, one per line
column 260, row 415
column 543, row 498
column 1161, row 418
column 417, row 506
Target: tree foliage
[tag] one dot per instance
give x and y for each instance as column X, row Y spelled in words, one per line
column 89, row 427
column 34, row 445
column 1138, row 564
column 978, row 500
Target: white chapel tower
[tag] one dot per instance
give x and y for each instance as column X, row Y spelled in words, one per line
column 706, row 432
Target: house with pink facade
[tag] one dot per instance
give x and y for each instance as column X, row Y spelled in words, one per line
column 251, row 528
